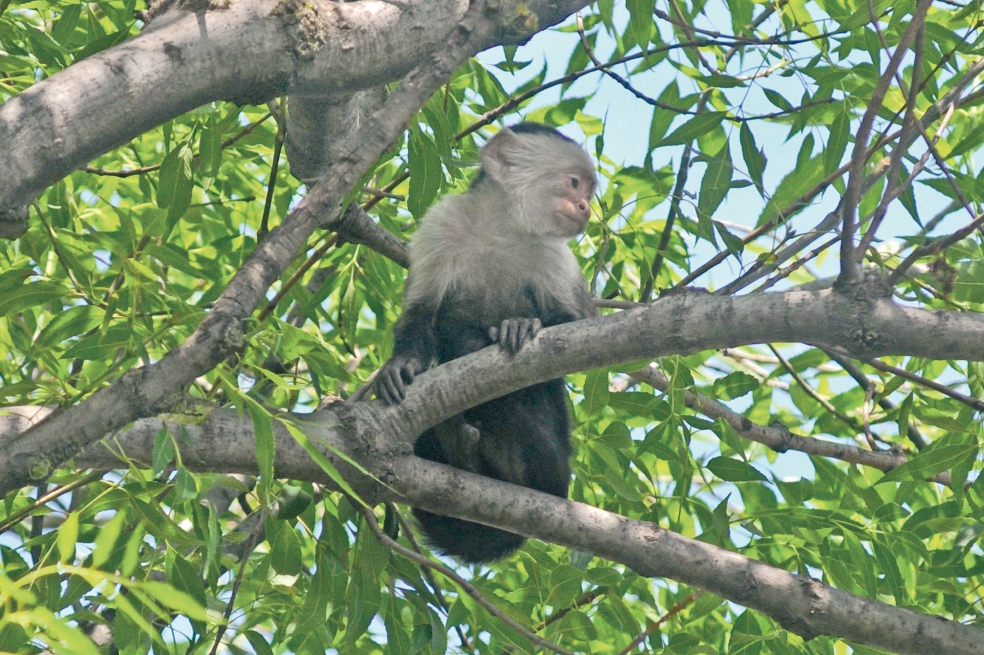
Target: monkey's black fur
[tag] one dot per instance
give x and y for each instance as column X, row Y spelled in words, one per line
column 522, row 437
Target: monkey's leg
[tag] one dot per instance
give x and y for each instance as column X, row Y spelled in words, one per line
column 459, row 441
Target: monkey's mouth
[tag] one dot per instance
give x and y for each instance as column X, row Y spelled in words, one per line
column 576, row 220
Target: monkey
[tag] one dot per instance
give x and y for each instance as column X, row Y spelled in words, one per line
column 492, row 266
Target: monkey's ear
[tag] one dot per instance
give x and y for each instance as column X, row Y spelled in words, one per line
column 496, row 156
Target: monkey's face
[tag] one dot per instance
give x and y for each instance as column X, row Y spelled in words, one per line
column 572, row 201
column 549, row 177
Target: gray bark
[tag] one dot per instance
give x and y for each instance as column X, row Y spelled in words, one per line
column 250, row 52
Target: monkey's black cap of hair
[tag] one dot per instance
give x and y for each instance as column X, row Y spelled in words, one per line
column 537, row 128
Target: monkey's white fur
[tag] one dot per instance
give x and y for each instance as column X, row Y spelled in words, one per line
column 465, row 244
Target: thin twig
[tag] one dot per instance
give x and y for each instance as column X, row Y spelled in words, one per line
column 379, row 193
column 849, row 272
column 56, row 246
column 428, row 574
column 810, row 391
column 19, row 515
column 298, row 274
column 128, row 172
column 783, row 273
column 933, row 247
column 777, row 436
column 673, row 611
column 616, row 304
column 851, row 369
column 227, row 613
column 667, row 234
column 926, row 382
column 895, row 186
column 278, row 146
column 586, row 598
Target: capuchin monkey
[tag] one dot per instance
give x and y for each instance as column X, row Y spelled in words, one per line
column 492, row 266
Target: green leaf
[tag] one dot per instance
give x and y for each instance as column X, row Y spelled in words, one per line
column 186, row 577
column 68, row 534
column 30, row 295
column 326, row 464
column 174, row 599
column 65, row 26
column 69, row 323
column 163, row 453
column 258, row 643
column 754, row 158
column 640, row 20
column 862, row 564
column 693, row 128
column 662, row 118
column 721, row 81
column 636, row 403
column 106, row 539
column 715, row 184
column 904, row 410
column 930, row 462
column 890, row 569
column 185, row 486
column 426, row 173
column 793, row 187
column 319, row 591
column 732, row 242
column 837, row 144
column 595, row 391
column 565, row 585
column 734, row 385
column 733, row 470
column 969, row 286
column 176, row 182
column 859, row 18
column 285, row 551
column 292, row 500
column 397, row 637
column 776, row 99
column 210, row 148
column 265, row 443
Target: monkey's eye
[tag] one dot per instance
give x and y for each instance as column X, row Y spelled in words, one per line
column 575, row 182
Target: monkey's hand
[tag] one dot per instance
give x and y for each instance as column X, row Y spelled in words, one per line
column 515, row 332
column 392, row 380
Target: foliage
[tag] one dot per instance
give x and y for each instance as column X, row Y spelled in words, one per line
column 118, row 269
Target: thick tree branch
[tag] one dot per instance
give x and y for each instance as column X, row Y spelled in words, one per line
column 251, row 52
column 864, row 324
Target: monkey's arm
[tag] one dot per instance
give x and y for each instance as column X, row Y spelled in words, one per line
column 415, row 346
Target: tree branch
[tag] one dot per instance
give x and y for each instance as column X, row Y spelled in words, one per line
column 265, row 48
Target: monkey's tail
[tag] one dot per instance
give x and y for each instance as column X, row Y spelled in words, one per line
column 470, row 543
